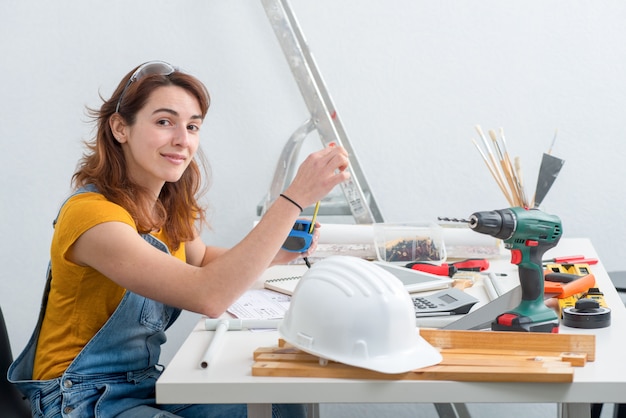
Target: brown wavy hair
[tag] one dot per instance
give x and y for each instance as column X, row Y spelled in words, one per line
column 103, row 165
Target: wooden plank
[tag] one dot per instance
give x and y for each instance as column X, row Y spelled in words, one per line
column 288, row 361
column 438, row 372
column 498, row 352
column 575, row 359
column 477, row 356
column 272, row 354
column 569, row 359
column 529, row 341
column 518, row 343
column 496, row 374
column 281, row 354
column 509, row 361
column 285, row 352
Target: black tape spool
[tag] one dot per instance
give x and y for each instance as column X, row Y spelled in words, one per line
column 587, row 314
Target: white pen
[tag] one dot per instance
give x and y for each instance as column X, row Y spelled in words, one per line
column 211, row 324
column 489, row 287
column 496, row 282
column 220, row 330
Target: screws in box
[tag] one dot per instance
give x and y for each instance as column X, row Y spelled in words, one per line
column 413, row 250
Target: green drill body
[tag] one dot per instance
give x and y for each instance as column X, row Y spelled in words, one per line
column 528, row 233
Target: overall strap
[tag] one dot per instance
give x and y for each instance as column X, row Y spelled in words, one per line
column 89, row 188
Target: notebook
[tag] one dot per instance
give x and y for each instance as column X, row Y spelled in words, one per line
column 284, row 285
column 413, row 280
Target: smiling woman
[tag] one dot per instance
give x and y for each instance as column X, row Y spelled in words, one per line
column 154, row 89
column 163, row 140
column 126, row 255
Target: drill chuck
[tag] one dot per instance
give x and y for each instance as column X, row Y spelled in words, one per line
column 497, row 223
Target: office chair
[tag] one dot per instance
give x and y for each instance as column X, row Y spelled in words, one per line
column 12, row 402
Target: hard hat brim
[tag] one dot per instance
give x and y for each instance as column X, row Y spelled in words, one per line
column 422, row 354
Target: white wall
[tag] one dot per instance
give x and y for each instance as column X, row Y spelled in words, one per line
column 410, row 79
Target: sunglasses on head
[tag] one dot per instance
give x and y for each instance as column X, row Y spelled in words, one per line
column 148, row 68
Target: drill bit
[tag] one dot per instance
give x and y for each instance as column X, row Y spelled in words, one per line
column 445, row 219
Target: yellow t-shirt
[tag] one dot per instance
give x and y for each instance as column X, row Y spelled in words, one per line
column 81, row 299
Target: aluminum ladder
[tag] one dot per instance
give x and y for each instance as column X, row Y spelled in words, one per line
column 359, row 200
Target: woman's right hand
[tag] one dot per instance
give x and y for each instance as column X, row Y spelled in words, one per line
column 318, row 174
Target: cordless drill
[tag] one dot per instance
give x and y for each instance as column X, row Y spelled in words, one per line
column 528, row 233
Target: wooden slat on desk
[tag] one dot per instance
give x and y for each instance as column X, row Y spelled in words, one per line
column 471, row 370
column 464, row 357
column 477, row 356
column 537, row 342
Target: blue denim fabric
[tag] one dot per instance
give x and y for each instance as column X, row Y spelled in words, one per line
column 114, row 375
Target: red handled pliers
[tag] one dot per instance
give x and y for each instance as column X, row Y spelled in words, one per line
column 450, row 269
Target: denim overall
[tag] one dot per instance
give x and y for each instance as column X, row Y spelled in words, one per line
column 115, row 373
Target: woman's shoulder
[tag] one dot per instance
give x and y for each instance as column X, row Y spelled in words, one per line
column 91, row 208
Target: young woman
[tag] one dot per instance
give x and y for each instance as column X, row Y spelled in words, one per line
column 126, row 255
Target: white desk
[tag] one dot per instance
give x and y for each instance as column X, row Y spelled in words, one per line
column 229, row 379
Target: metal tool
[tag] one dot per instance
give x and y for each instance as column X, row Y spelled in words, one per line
column 450, row 269
column 528, row 233
column 571, row 260
column 548, row 172
column 482, row 317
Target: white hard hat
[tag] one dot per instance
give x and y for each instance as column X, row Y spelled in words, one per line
column 352, row 311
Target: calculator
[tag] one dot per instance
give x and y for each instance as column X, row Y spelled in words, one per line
column 451, row 301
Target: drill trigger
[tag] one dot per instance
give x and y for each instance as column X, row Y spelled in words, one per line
column 516, row 256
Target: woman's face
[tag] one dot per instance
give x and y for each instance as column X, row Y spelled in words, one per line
column 164, row 138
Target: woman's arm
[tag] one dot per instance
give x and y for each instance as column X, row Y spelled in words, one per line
column 199, row 254
column 210, row 287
